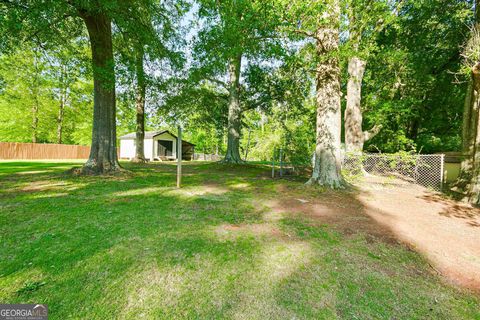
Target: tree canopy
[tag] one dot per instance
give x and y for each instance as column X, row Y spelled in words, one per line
column 243, row 77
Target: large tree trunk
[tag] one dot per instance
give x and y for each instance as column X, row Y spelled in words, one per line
column 327, row 166
column 61, row 111
column 35, row 106
column 35, row 121
column 355, row 137
column 140, row 107
column 474, row 190
column 469, row 178
column 471, row 164
column 470, row 117
column 103, row 153
column 61, row 107
column 234, row 112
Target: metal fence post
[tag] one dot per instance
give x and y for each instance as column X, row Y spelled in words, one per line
column 442, row 161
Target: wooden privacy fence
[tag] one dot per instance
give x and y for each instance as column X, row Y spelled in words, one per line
column 16, row 150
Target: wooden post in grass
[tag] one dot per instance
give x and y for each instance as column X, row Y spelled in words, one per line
column 179, row 157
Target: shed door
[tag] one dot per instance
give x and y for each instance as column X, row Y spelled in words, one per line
column 165, row 148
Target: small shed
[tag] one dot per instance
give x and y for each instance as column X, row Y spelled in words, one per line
column 453, row 162
column 158, row 145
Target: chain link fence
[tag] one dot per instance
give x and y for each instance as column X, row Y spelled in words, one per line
column 422, row 169
column 207, row 157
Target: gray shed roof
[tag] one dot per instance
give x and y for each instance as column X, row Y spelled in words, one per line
column 150, row 135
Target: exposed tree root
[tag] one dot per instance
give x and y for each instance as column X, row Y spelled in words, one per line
column 139, row 160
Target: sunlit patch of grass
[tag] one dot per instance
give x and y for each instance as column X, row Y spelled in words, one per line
column 141, row 191
column 220, row 247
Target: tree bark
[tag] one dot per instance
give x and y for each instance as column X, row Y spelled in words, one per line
column 61, row 107
column 471, row 164
column 103, row 152
column 470, row 116
column 35, row 106
column 469, row 178
column 355, row 137
column 140, row 107
column 61, row 111
column 234, row 112
column 35, row 121
column 474, row 190
column 327, row 166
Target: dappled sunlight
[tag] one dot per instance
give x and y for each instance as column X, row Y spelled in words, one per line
column 229, row 231
column 281, row 259
column 276, row 212
column 24, row 281
column 202, row 190
column 222, row 246
column 23, row 173
column 141, row 191
column 454, row 209
column 277, row 261
column 49, row 185
column 49, row 195
column 241, row 185
column 425, row 224
column 154, row 287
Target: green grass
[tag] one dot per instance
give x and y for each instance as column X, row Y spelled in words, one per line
column 136, row 247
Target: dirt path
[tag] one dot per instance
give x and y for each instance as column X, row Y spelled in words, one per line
column 447, row 233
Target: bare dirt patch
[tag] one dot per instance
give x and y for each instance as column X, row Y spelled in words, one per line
column 446, row 232
column 257, row 229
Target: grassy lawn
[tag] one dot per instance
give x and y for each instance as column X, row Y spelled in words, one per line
column 134, row 246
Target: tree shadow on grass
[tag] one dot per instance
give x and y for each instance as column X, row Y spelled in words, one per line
column 137, row 246
column 73, row 240
column 455, row 209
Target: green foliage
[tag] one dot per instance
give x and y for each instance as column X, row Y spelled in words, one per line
column 416, row 51
column 30, row 79
column 410, row 85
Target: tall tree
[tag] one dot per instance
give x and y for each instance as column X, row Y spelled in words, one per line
column 140, row 106
column 411, row 75
column 469, row 178
column 327, row 167
column 234, row 110
column 34, row 91
column 155, row 40
column 62, row 93
column 65, row 70
column 48, row 21
column 235, row 31
column 62, row 104
column 319, row 22
column 41, row 19
column 365, row 19
column 103, row 152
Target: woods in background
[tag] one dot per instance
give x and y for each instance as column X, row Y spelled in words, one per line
column 245, row 76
